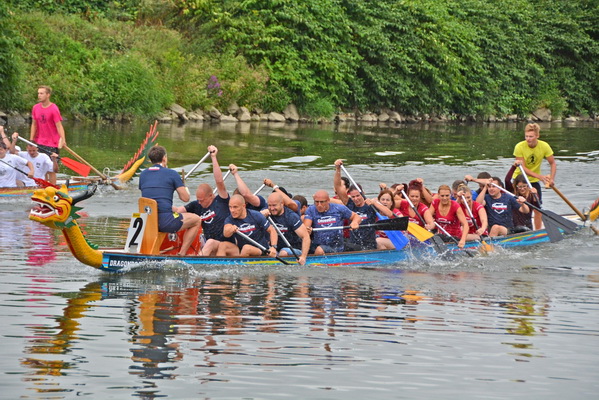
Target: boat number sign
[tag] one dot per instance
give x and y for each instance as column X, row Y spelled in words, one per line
column 136, row 232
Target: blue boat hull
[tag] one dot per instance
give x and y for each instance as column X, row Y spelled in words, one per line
column 120, row 261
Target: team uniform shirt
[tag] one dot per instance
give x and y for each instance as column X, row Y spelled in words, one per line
column 334, row 216
column 525, row 219
column 42, row 164
column 159, row 183
column 45, row 120
column 287, row 223
column 475, row 210
column 9, row 175
column 253, row 225
column 365, row 238
column 500, row 210
column 450, row 221
column 262, row 206
column 213, row 217
column 533, row 157
column 382, row 234
column 405, row 208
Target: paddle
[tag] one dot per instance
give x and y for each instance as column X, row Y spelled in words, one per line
column 564, row 198
column 397, row 238
column 394, row 224
column 71, row 164
column 422, row 234
column 224, row 179
column 259, row 189
column 283, row 237
column 197, row 165
column 456, row 241
column 552, row 221
column 41, row 182
column 101, row 175
column 484, row 245
column 258, row 245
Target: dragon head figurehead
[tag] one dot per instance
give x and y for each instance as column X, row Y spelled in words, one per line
column 55, row 208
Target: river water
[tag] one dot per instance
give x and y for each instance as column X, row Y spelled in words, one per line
column 520, row 323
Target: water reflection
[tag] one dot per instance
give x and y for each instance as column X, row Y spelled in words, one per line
column 214, row 325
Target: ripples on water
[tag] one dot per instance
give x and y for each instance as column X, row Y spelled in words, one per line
column 518, row 323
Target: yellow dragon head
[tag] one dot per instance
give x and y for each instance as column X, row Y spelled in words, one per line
column 55, row 208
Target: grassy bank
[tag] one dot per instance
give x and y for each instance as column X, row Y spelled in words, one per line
column 135, row 57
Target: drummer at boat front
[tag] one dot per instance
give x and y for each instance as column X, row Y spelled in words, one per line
column 250, row 223
column 160, row 183
column 289, row 223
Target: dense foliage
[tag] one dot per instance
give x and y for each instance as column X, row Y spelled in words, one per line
column 471, row 57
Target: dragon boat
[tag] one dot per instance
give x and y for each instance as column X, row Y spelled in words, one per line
column 81, row 183
column 145, row 246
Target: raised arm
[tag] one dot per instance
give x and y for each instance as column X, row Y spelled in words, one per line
column 218, row 174
column 338, row 184
column 287, row 201
column 242, row 187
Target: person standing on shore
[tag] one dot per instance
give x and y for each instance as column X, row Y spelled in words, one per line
column 531, row 152
column 46, row 124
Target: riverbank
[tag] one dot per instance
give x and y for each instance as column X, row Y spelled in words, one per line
column 235, row 114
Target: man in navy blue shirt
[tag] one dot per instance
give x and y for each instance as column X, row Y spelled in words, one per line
column 290, row 225
column 212, row 209
column 252, row 224
column 500, row 207
column 160, row 183
column 324, row 214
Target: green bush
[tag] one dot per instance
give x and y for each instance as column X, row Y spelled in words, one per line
column 10, row 62
column 125, row 87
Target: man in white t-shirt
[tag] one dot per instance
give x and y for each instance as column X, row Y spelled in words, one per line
column 8, row 173
column 44, row 166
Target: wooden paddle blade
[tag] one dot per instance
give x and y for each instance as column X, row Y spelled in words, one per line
column 565, row 224
column 76, row 166
column 555, row 235
column 419, row 232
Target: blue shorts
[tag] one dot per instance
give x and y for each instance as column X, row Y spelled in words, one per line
column 170, row 222
column 291, row 251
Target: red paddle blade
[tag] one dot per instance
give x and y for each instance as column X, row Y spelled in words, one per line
column 76, row 166
column 43, row 183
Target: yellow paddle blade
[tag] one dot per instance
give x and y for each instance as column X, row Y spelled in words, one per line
column 485, row 247
column 419, row 232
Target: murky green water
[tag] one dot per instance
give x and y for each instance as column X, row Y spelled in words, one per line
column 516, row 324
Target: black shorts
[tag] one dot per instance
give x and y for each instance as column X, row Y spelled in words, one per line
column 537, row 185
column 48, row 150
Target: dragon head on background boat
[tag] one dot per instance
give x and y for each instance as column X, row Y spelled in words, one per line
column 55, row 208
column 133, row 165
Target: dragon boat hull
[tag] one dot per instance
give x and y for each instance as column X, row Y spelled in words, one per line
column 114, row 260
column 146, row 246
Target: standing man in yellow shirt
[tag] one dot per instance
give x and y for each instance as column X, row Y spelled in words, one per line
column 531, row 152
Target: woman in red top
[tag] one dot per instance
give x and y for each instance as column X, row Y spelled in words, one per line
column 415, row 194
column 449, row 215
column 385, row 198
column 478, row 227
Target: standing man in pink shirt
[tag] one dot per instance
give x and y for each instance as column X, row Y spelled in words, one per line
column 46, row 126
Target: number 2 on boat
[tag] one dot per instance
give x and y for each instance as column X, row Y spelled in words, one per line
column 135, row 233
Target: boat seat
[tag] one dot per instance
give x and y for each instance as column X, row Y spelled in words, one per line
column 152, row 239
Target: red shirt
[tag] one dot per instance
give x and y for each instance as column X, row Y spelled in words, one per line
column 476, row 211
column 450, row 221
column 405, row 209
column 45, row 121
